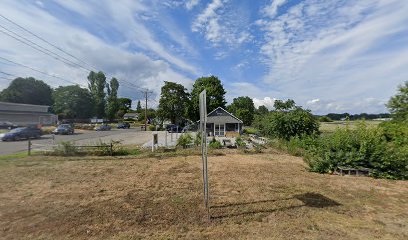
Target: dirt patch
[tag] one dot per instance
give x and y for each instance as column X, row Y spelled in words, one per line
column 259, row 196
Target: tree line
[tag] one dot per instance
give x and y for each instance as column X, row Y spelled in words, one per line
column 99, row 100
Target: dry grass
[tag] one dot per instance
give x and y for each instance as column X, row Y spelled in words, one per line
column 259, row 196
column 332, row 126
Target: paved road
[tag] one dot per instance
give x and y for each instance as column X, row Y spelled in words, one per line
column 127, row 136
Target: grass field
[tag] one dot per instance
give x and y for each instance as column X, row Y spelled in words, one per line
column 332, row 126
column 261, row 196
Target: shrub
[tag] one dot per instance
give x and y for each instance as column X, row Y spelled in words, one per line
column 184, row 140
column 249, row 131
column 239, row 142
column 197, row 139
column 325, row 119
column 215, row 144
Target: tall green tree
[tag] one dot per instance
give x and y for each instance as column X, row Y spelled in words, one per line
column 27, row 90
column 215, row 96
column 262, row 110
column 96, row 85
column 138, row 107
column 173, row 102
column 125, row 104
column 398, row 104
column 112, row 101
column 73, row 102
column 243, row 108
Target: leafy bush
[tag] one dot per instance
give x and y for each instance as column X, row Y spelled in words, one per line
column 197, row 139
column 239, row 142
column 184, row 140
column 250, row 131
column 325, row 119
column 287, row 121
column 360, row 148
column 215, row 144
column 396, row 132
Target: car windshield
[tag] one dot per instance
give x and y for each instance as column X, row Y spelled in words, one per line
column 64, row 126
column 17, row 130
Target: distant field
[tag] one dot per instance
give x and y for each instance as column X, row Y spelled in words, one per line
column 258, row 196
column 332, row 126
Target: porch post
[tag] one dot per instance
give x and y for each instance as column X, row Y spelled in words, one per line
column 224, row 130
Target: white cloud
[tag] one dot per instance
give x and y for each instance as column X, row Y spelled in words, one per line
column 272, row 9
column 222, row 25
column 344, row 50
column 266, row 101
column 190, row 4
column 135, row 67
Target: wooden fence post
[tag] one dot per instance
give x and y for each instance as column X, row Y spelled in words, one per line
column 111, row 149
column 29, row 147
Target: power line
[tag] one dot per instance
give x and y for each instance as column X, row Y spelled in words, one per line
column 39, row 71
column 40, row 48
column 9, row 79
column 9, row 74
column 42, row 39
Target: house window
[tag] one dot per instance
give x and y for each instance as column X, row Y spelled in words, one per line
column 219, row 129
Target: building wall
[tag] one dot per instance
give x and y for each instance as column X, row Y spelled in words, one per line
column 24, row 119
column 6, row 106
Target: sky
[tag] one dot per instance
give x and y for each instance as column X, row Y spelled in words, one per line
column 328, row 55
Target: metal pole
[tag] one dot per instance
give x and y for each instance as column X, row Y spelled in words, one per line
column 177, row 132
column 152, row 142
column 146, row 112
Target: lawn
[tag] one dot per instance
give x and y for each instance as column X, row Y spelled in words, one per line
column 269, row 195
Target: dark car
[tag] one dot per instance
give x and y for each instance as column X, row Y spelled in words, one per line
column 64, row 129
column 191, row 127
column 124, row 125
column 22, row 133
column 173, row 128
column 103, row 127
column 7, row 125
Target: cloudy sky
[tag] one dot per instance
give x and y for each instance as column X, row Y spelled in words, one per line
column 327, row 55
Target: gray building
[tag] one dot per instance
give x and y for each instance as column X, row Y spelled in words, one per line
column 26, row 114
column 221, row 123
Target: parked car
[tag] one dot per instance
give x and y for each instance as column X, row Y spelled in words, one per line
column 124, row 125
column 7, row 125
column 103, row 127
column 64, row 129
column 173, row 128
column 191, row 127
column 22, row 133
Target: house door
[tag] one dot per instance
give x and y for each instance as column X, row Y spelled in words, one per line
column 219, row 129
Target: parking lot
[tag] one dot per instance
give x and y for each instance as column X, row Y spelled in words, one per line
column 127, row 136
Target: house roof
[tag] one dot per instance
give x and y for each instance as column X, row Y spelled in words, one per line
column 131, row 114
column 220, row 115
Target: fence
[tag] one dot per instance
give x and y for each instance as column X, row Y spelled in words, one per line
column 67, row 148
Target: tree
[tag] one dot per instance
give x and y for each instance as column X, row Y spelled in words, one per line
column 288, row 120
column 96, row 85
column 398, row 104
column 27, row 90
column 112, row 102
column 124, row 104
column 139, row 107
column 262, row 110
column 244, row 109
column 173, row 101
column 73, row 102
column 215, row 96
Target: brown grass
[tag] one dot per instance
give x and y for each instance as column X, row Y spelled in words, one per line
column 259, row 196
column 332, row 126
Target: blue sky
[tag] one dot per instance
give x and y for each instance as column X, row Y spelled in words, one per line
column 329, row 56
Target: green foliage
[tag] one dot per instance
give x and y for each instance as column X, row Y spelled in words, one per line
column 360, row 148
column 243, row 108
column 289, row 121
column 112, row 101
column 138, row 107
column 184, row 140
column 215, row 96
column 325, row 119
column 396, row 132
column 262, row 110
column 197, row 139
column 249, row 130
column 113, row 148
column 239, row 142
column 173, row 102
column 72, row 102
column 398, row 104
column 28, row 91
column 215, row 144
column 96, row 85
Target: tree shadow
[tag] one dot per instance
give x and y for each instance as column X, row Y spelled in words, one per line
column 315, row 200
